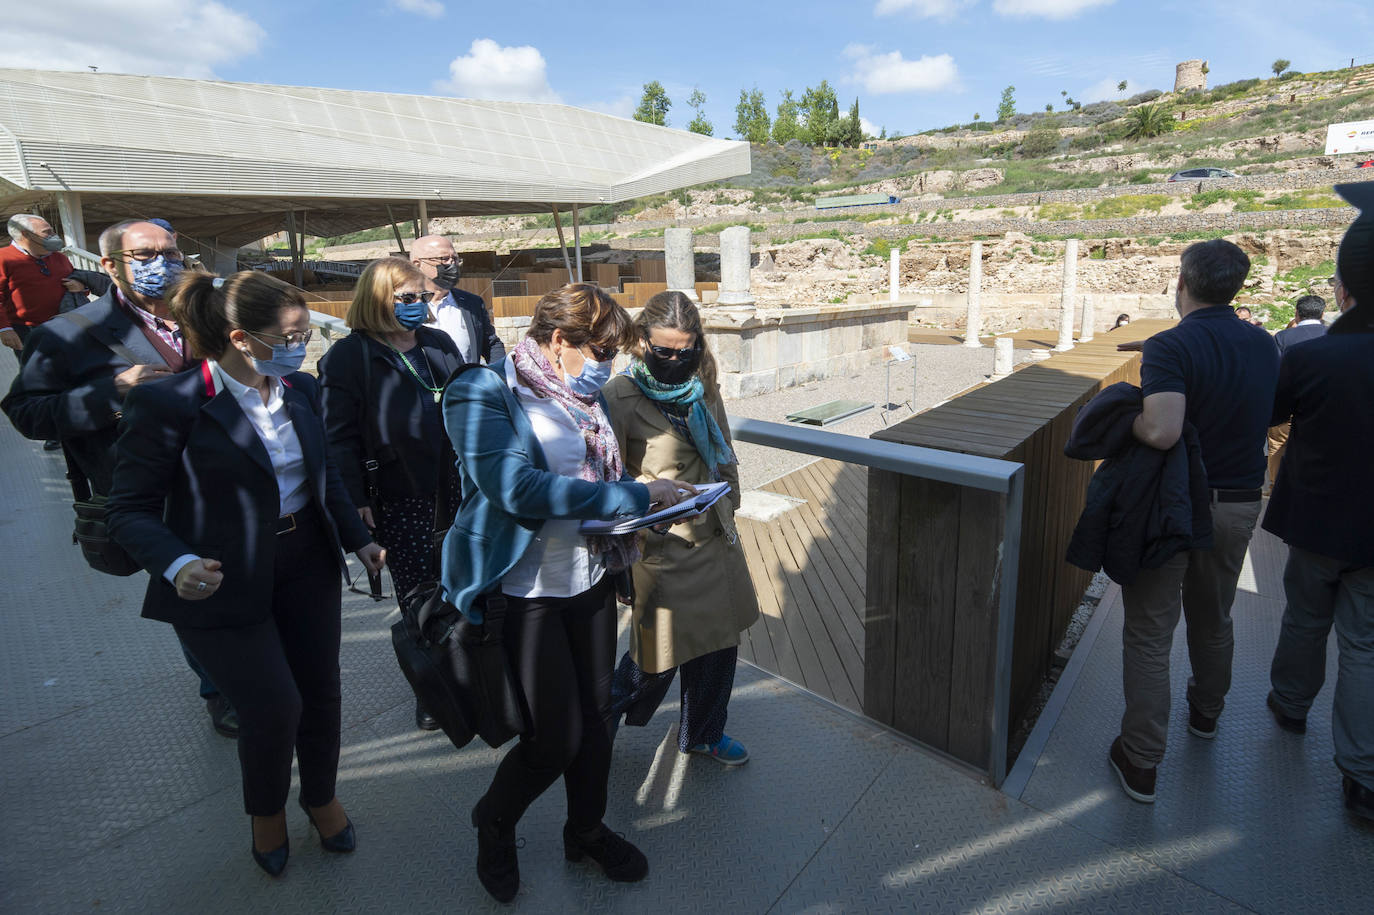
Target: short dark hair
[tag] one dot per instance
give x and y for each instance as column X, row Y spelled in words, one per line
column 1214, row 271
column 1244, row 308
column 1310, row 307
column 208, row 308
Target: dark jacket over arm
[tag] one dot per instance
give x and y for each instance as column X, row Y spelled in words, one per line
column 489, row 344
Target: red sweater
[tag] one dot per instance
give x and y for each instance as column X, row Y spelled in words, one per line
column 27, row 297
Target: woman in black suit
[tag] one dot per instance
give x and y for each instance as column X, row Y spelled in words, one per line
column 381, row 394
column 224, row 491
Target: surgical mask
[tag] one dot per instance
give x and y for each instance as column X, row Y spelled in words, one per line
column 286, row 358
column 592, row 378
column 50, row 243
column 672, row 371
column 447, row 275
column 153, row 278
column 411, row 314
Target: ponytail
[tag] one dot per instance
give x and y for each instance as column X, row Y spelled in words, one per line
column 207, row 307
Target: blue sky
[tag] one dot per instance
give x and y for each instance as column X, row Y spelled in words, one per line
column 913, row 64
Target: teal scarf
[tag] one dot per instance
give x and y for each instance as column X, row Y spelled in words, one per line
column 689, row 395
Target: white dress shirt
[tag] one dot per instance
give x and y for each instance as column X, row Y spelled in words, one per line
column 455, row 322
column 558, row 563
column 272, row 422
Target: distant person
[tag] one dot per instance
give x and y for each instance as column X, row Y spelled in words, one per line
column 381, row 385
column 1323, row 508
column 225, row 492
column 1308, row 312
column 692, row 592
column 460, row 314
column 1218, row 375
column 537, row 454
column 75, row 373
column 1121, row 321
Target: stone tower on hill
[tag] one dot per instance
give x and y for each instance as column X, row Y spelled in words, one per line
column 1191, row 74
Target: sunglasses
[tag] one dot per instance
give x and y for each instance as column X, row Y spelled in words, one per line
column 667, row 352
column 603, row 353
column 410, row 298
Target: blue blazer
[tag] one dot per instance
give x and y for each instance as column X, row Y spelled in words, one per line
column 508, row 489
column 191, row 476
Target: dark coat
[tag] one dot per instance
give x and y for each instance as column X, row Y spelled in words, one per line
column 65, row 388
column 1292, row 336
column 1144, row 505
column 480, row 326
column 394, row 406
column 192, row 476
column 1323, row 500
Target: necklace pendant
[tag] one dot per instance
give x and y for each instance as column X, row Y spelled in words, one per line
column 438, row 396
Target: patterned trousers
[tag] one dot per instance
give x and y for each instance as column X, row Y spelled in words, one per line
column 706, row 685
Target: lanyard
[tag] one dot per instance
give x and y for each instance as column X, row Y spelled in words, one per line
column 437, row 392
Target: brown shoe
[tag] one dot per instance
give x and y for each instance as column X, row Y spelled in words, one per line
column 1138, row 783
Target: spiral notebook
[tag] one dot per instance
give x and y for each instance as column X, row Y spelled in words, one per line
column 707, row 495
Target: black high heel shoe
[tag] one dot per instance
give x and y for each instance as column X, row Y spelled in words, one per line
column 274, row 861
column 341, row 843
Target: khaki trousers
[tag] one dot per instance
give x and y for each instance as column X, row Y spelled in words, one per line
column 1278, row 437
column 1202, row 585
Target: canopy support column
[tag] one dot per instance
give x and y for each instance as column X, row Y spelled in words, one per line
column 297, row 263
column 424, row 216
column 395, row 230
column 562, row 244
column 577, row 241
column 73, row 222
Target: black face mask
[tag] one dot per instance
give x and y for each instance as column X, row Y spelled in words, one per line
column 447, row 275
column 672, row 371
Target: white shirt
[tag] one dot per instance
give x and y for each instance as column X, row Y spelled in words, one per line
column 453, row 321
column 558, row 563
column 272, row 422
column 1309, row 321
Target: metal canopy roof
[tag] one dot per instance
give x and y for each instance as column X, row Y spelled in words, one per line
column 230, row 159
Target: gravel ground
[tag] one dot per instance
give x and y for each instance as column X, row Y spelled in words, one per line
column 941, row 372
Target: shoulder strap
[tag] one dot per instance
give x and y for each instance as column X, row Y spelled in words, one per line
column 369, row 446
column 119, row 349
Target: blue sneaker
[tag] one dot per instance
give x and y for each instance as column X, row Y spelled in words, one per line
column 727, row 750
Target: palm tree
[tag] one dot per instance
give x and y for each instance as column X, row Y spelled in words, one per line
column 1148, row 121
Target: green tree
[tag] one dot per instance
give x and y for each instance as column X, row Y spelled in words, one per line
column 849, row 130
column 751, row 117
column 1145, row 121
column 1041, row 140
column 1121, row 87
column 1006, row 109
column 976, row 116
column 1279, row 66
column 787, row 124
column 820, row 112
column 697, row 101
column 1049, row 106
column 653, row 104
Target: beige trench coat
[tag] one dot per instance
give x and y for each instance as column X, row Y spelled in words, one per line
column 693, row 594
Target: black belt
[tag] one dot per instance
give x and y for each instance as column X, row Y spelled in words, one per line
column 288, row 524
column 1236, row 495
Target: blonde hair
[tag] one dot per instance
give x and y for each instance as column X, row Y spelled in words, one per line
column 675, row 311
column 585, row 313
column 373, row 308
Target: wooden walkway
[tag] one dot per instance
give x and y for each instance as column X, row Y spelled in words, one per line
column 809, row 567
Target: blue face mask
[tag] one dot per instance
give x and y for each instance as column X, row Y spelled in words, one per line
column 286, row 358
column 411, row 314
column 152, row 279
column 592, row 378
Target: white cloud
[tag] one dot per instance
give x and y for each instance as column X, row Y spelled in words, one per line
column 151, row 37
column 921, row 9
column 1105, row 89
column 491, row 71
column 869, row 128
column 431, row 8
column 1045, row 9
column 883, row 74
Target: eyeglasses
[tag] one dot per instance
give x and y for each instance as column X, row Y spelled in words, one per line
column 602, row 353
column 441, row 261
column 296, row 339
column 410, row 298
column 143, row 255
column 667, row 352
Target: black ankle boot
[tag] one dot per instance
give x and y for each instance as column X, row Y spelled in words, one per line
column 497, row 866
column 618, row 858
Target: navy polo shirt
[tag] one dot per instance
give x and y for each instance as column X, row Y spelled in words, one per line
column 1227, row 369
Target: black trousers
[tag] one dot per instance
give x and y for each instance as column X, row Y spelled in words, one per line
column 563, row 652
column 706, row 685
column 282, row 675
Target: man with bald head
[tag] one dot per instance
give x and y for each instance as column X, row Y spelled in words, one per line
column 34, row 275
column 460, row 314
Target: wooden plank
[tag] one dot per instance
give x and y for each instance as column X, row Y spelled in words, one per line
column 842, row 566
column 805, row 662
column 770, row 624
column 839, row 512
column 880, row 596
column 976, row 627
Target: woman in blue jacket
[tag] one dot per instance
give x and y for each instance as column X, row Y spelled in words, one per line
column 537, row 455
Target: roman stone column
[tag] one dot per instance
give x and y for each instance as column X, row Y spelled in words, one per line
column 975, row 294
column 894, row 277
column 734, row 267
column 1003, row 356
column 679, row 261
column 1085, row 330
column 1068, row 294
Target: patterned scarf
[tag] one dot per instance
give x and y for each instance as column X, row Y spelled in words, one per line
column 602, row 462
column 690, row 397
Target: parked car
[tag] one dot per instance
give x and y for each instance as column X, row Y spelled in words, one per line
column 1367, row 163
column 1189, row 174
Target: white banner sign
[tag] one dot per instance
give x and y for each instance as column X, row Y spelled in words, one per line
column 1354, row 137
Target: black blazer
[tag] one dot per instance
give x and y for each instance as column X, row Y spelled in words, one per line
column 490, row 347
column 1292, row 336
column 192, row 476
column 65, row 387
column 409, row 453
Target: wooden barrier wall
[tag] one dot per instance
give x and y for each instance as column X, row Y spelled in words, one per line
column 933, row 548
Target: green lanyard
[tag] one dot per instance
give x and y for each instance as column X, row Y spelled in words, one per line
column 437, row 392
